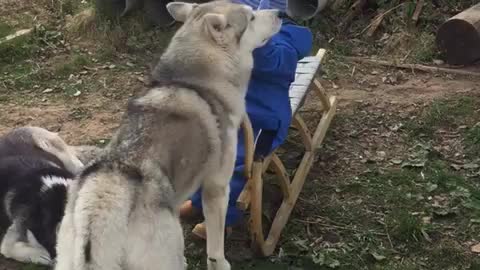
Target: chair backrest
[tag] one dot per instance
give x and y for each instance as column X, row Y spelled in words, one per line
column 306, row 71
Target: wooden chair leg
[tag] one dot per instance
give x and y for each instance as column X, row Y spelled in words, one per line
column 324, row 123
column 304, row 132
column 282, row 176
column 245, row 197
column 283, row 213
column 321, row 93
column 256, row 229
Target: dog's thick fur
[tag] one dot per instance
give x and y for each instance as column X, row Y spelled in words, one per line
column 179, row 135
column 36, row 166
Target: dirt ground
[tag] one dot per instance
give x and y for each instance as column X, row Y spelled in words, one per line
column 395, row 185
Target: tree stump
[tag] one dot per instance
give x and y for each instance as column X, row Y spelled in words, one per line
column 459, row 37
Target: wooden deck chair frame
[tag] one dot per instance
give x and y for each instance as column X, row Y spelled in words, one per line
column 251, row 196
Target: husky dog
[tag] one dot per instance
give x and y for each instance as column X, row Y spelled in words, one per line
column 178, row 136
column 35, row 168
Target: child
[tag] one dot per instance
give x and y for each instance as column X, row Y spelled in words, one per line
column 267, row 101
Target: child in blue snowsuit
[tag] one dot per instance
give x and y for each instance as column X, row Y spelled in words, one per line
column 267, row 100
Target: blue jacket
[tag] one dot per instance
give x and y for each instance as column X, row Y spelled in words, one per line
column 268, row 104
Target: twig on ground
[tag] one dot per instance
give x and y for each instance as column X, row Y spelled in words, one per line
column 17, row 34
column 418, row 10
column 407, row 55
column 375, row 23
column 345, row 228
column 388, row 237
column 414, row 66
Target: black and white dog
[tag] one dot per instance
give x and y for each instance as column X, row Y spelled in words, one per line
column 36, row 167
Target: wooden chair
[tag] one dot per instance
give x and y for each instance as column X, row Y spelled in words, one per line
column 251, row 196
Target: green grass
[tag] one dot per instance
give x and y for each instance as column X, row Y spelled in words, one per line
column 75, row 64
column 5, row 29
column 447, row 113
column 472, row 141
column 425, row 48
column 21, row 76
column 404, row 227
column 18, row 49
column 383, row 212
column 33, row 267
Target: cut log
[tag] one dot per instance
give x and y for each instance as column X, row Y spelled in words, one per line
column 459, row 37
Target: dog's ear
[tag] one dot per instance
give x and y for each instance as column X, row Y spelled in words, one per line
column 180, row 10
column 215, row 24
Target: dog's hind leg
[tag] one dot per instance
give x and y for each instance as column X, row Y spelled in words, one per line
column 100, row 220
column 15, row 245
column 155, row 236
column 65, row 240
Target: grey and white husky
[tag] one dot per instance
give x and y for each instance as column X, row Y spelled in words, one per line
column 36, row 166
column 176, row 137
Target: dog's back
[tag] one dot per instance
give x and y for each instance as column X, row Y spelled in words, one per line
column 40, row 143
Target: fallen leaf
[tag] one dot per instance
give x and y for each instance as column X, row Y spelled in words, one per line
column 396, row 161
column 78, row 93
column 470, row 166
column 414, row 163
column 377, row 256
column 475, row 248
column 425, row 235
column 431, row 187
column 48, row 90
column 427, row 220
column 444, row 212
column 456, row 166
column 332, row 263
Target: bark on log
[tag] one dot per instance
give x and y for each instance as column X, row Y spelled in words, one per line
column 459, row 37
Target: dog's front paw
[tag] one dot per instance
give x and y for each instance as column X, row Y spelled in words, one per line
column 23, row 252
column 218, row 264
column 43, row 259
